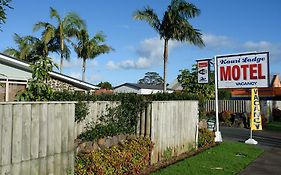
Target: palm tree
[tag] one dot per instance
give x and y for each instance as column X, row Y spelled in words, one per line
column 27, row 48
column 173, row 26
column 24, row 47
column 58, row 35
column 87, row 48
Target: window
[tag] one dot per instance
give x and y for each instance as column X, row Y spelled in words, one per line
column 12, row 87
column 2, row 92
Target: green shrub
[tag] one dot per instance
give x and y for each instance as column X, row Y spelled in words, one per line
column 205, row 137
column 225, row 117
column 276, row 114
column 131, row 157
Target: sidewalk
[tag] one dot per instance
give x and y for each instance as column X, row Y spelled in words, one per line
column 269, row 163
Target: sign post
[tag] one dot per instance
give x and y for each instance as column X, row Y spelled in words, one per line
column 218, row 137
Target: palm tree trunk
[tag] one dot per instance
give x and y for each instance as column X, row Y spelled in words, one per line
column 61, row 54
column 165, row 63
column 61, row 62
column 83, row 69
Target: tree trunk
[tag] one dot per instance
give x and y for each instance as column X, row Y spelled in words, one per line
column 165, row 64
column 61, row 54
column 61, row 62
column 83, row 69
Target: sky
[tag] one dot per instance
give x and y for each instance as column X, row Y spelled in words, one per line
column 227, row 27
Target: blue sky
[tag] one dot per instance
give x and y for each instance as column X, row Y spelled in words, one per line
column 228, row 27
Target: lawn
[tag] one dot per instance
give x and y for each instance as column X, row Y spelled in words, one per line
column 226, row 158
column 275, row 126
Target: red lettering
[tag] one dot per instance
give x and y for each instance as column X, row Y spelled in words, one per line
column 225, row 73
column 235, row 72
column 253, row 71
column 260, row 76
column 244, row 67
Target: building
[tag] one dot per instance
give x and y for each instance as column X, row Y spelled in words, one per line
column 264, row 93
column 14, row 75
column 140, row 89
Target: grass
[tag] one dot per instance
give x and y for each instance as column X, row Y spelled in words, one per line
column 226, row 158
column 275, row 126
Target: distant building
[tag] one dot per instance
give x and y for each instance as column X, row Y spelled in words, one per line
column 14, row 75
column 139, row 89
column 175, row 85
column 265, row 93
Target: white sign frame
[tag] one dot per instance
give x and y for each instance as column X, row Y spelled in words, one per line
column 233, row 71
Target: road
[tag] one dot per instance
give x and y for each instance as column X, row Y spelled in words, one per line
column 265, row 139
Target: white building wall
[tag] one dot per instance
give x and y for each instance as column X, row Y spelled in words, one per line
column 13, row 73
column 125, row 89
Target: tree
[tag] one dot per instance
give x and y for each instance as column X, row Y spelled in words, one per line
column 4, row 4
column 189, row 82
column 173, row 26
column 58, row 35
column 105, row 85
column 89, row 48
column 151, row 78
column 37, row 88
column 29, row 48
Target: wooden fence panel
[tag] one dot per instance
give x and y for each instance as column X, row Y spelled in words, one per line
column 173, row 127
column 34, row 135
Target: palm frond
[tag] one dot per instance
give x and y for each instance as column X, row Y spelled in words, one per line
column 149, row 16
column 54, row 13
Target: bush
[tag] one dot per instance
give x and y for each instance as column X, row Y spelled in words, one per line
column 131, row 157
column 276, row 114
column 225, row 117
column 205, row 137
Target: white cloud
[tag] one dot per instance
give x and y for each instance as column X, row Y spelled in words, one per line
column 75, row 75
column 150, row 53
column 215, row 42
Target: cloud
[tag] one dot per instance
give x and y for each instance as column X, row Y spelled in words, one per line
column 216, row 42
column 273, row 48
column 75, row 75
column 150, row 53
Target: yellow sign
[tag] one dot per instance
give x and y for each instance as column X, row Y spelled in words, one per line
column 256, row 121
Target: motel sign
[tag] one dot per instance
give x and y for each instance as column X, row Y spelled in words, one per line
column 243, row 70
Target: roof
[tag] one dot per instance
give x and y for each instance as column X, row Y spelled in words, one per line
column 19, row 64
column 141, row 86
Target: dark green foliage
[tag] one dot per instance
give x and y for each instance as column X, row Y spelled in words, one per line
column 37, row 87
column 105, row 85
column 4, row 4
column 121, row 119
column 205, row 137
column 151, row 78
column 81, row 111
column 189, row 82
column 224, row 94
column 276, row 114
column 131, row 157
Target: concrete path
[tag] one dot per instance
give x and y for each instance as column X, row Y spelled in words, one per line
column 269, row 163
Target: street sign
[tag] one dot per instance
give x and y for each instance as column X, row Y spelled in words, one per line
column 248, row 70
column 203, row 71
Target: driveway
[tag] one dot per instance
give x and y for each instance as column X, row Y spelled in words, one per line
column 269, row 162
